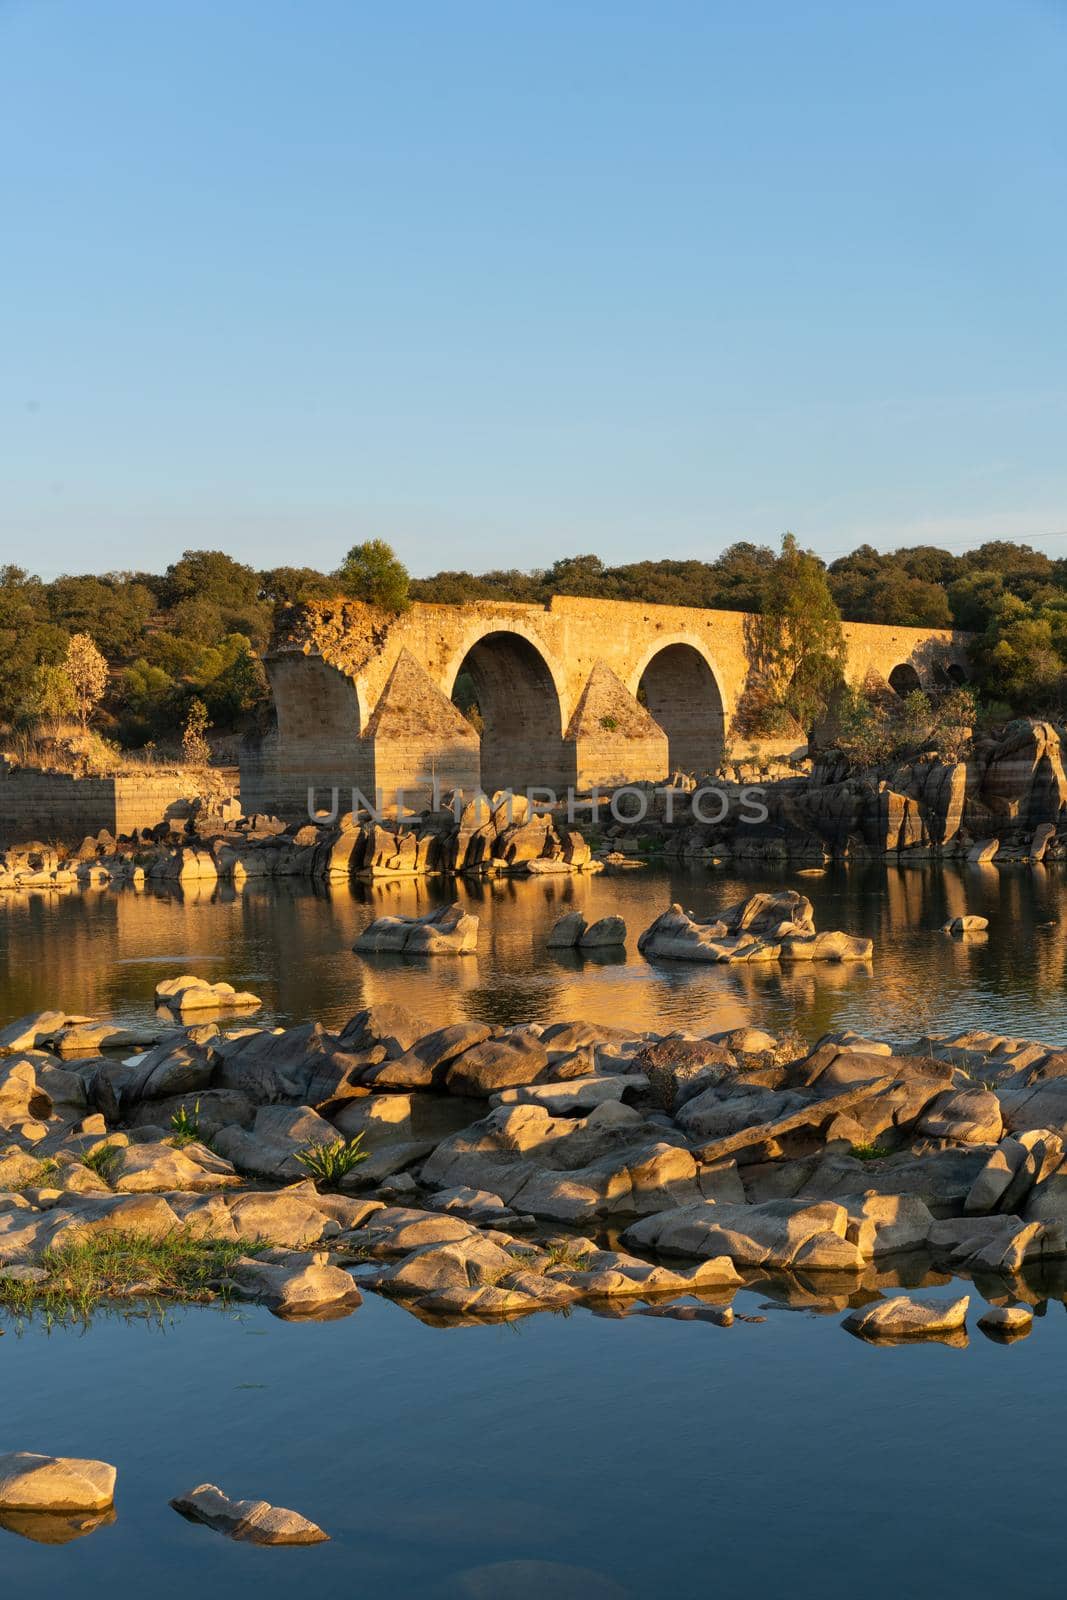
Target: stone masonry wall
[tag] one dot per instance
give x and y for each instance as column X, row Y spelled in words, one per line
column 581, row 690
column 55, row 807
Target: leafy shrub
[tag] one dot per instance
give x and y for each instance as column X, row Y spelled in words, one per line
column 329, row 1163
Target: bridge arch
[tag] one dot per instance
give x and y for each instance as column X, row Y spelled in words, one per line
column 680, row 687
column 904, row 679
column 506, row 676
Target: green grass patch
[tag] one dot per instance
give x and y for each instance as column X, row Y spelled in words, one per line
column 870, row 1152
column 109, row 1267
column 561, row 1253
column 38, row 1178
column 329, row 1163
column 185, row 1126
column 103, row 1160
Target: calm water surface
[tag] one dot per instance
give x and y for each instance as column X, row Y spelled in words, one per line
column 103, row 952
column 640, row 1456
column 656, row 1457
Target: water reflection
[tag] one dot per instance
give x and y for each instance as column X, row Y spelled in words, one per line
column 101, row 952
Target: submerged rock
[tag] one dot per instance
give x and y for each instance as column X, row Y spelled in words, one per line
column 608, row 933
column 449, row 931
column 905, row 1318
column 189, row 993
column 1006, row 1322
column 765, row 927
column 253, row 1521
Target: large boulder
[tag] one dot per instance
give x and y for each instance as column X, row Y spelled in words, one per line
column 765, row 927
column 21, row 1097
column 295, row 1217
column 268, row 1066
column 31, row 1482
column 777, row 1233
column 906, row 1318
column 497, row 1064
column 26, row 1033
column 888, row 1224
column 566, row 931
column 964, row 1116
column 613, row 1273
column 169, row 1069
column 609, row 933
column 994, row 1244
column 466, row 1262
column 294, row 1283
column 384, row 1026
column 155, row 1168
column 424, row 1064
column 447, row 931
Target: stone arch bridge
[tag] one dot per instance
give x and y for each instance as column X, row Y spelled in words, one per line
column 575, row 692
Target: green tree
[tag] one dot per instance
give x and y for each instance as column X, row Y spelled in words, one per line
column 49, row 696
column 113, row 610
column 374, row 573
column 151, row 698
column 213, row 579
column 289, row 585
column 27, row 638
column 798, row 639
column 238, row 688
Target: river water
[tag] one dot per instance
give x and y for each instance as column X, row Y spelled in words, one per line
column 601, row 1458
column 101, row 953
column 567, row 1456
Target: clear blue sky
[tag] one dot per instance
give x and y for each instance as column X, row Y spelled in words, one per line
column 502, row 282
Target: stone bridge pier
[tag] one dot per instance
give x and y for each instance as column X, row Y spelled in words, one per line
column 494, row 695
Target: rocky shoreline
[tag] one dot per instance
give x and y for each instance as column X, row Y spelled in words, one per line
column 1002, row 804
column 509, row 1170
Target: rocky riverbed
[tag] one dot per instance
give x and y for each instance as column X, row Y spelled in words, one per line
column 500, row 1171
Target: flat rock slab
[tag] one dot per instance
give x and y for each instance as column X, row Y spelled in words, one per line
column 574, row 1094
column 253, row 1521
column 905, row 1318
column 190, row 993
column 816, row 1112
column 54, row 1483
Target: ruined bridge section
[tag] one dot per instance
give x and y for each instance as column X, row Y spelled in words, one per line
column 577, row 692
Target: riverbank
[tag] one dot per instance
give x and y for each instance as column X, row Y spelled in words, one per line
column 674, row 1165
